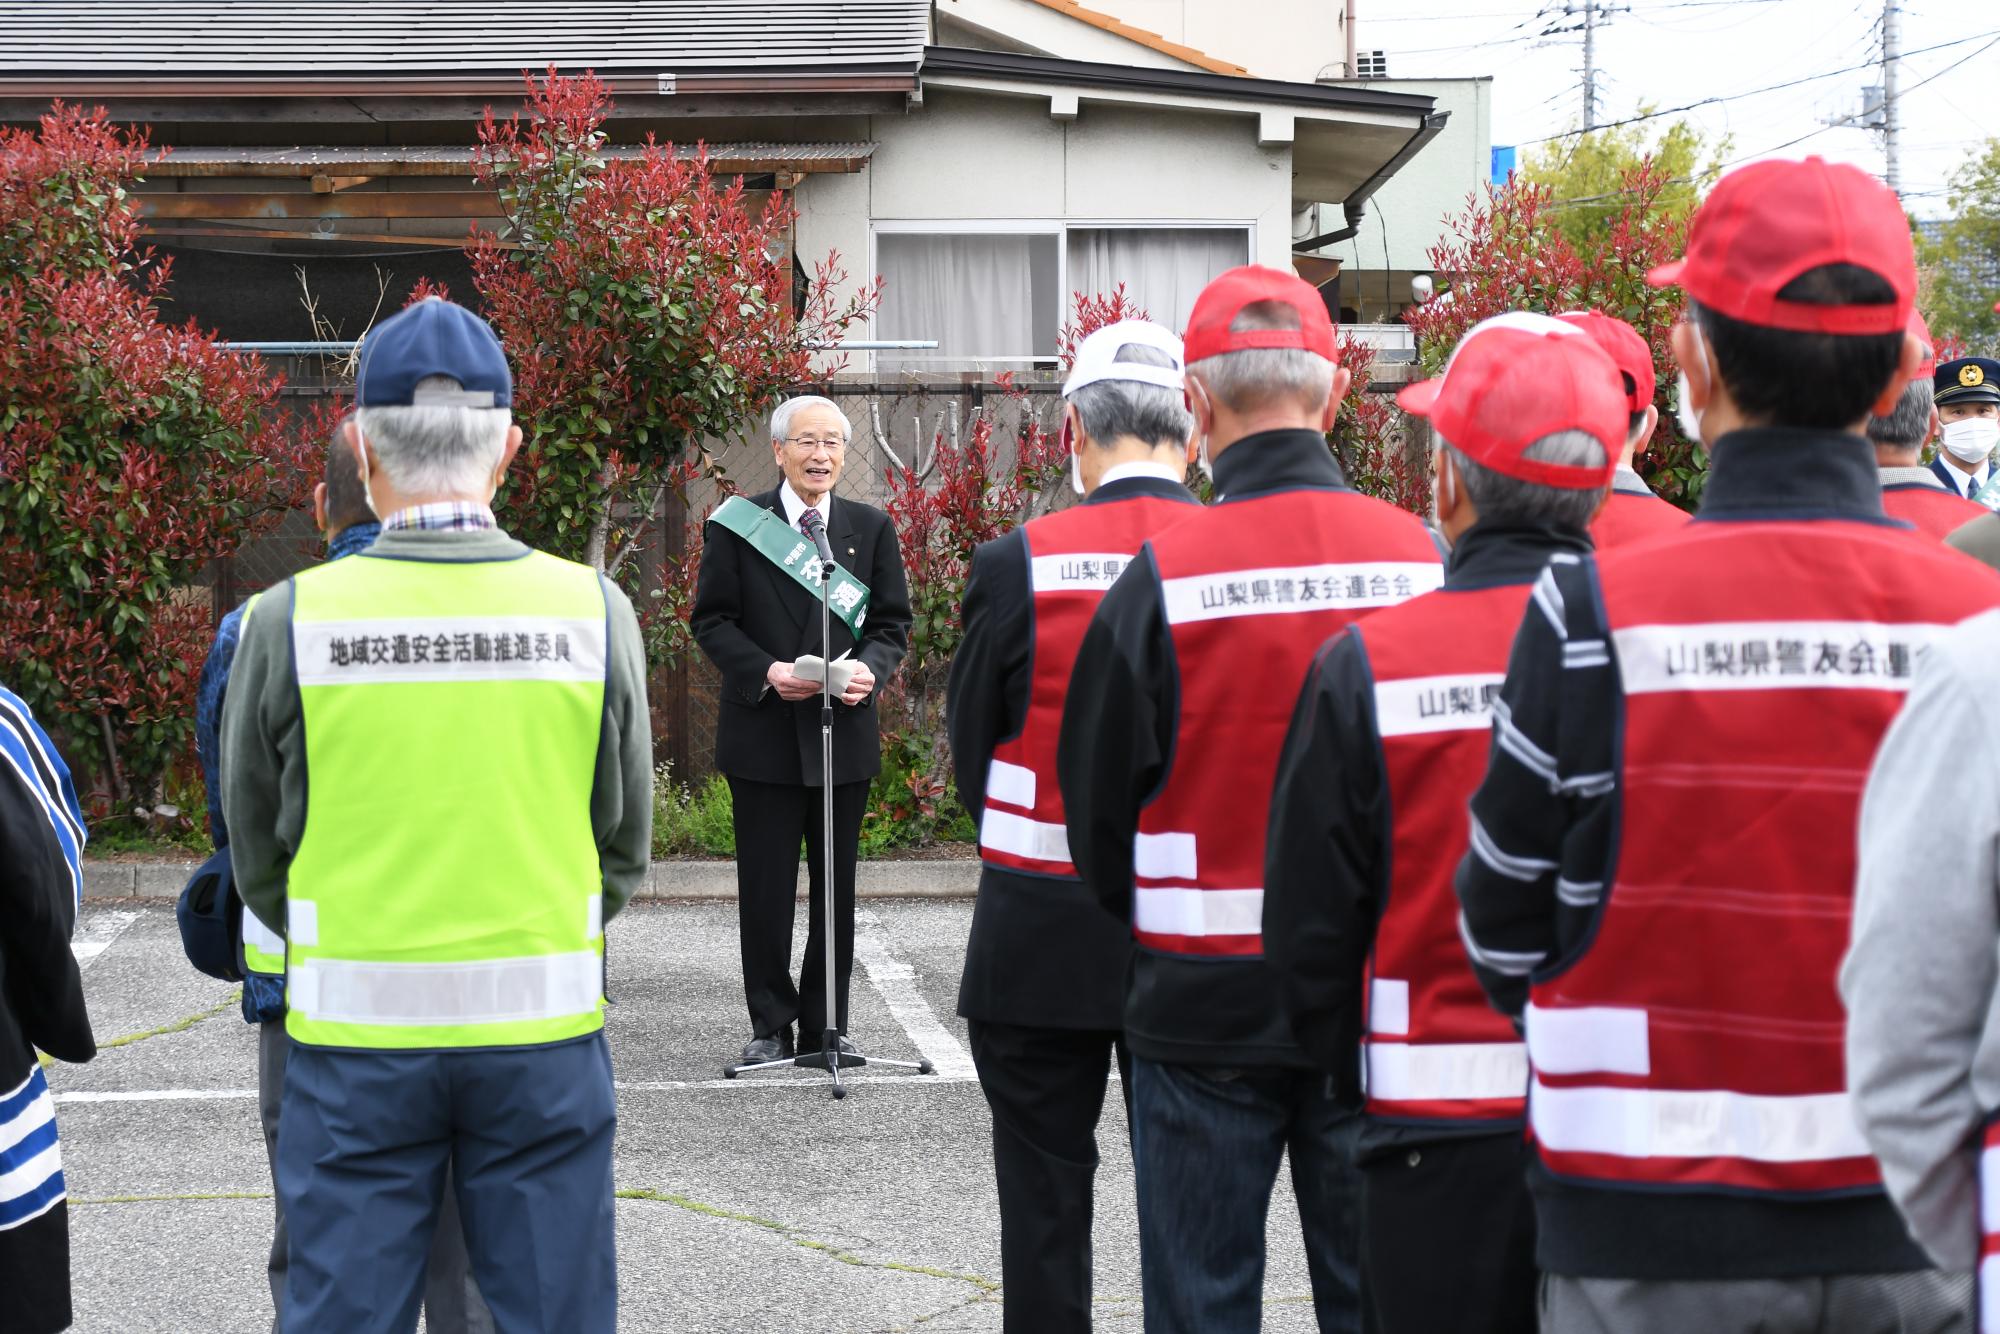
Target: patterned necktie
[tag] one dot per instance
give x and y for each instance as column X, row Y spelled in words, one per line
column 810, row 512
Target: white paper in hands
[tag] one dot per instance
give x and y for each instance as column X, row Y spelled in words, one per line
column 810, row 668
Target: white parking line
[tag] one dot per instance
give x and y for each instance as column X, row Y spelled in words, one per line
column 95, row 934
column 894, row 981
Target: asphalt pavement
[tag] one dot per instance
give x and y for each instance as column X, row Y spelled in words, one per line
column 754, row 1204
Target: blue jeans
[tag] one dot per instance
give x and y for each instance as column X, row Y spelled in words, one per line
column 1206, row 1144
column 363, row 1142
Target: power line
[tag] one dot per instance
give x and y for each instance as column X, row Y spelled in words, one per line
column 1771, row 88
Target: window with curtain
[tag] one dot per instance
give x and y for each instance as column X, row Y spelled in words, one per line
column 1163, row 268
column 982, row 296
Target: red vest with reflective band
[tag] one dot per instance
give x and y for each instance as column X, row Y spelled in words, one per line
column 1697, row 1041
column 1630, row 517
column 1251, row 589
column 1989, row 1229
column 1935, row 511
column 1435, row 1049
column 1073, row 557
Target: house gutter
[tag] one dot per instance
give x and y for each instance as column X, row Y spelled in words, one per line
column 1355, row 206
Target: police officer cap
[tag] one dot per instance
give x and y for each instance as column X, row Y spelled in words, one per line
column 427, row 338
column 1968, row 380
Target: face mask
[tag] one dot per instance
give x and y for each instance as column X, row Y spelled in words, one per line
column 1685, row 414
column 1971, row 439
column 1075, row 461
column 1201, row 460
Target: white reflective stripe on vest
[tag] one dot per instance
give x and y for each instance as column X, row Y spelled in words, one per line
column 448, row 648
column 1989, row 1191
column 1017, row 835
column 1079, row 570
column 1446, row 1071
column 495, row 991
column 1678, row 1123
column 1198, row 912
column 1989, row 1295
column 1770, row 655
column 1389, row 1006
column 1436, row 704
column 1292, row 589
column 1010, row 784
column 1593, row 1039
column 260, row 937
column 1163, row 856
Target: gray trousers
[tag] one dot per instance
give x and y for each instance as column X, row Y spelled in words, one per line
column 452, row 1304
column 1925, row 1302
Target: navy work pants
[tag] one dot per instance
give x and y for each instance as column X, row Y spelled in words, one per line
column 1206, row 1146
column 363, row 1143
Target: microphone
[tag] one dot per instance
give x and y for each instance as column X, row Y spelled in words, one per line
column 816, row 529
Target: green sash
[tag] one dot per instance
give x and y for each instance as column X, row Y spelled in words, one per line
column 792, row 552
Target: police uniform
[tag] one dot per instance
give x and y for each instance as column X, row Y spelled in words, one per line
column 1387, row 743
column 441, row 885
column 1168, row 750
column 1966, row 380
column 1043, row 986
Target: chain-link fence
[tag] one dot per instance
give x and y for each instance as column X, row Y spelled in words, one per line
column 895, row 425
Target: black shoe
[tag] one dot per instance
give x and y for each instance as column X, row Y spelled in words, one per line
column 812, row 1042
column 777, row 1047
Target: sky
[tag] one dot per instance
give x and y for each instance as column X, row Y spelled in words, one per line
column 1672, row 53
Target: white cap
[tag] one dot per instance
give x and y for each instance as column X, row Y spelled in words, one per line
column 1097, row 357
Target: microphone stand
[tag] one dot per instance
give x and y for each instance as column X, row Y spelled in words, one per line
column 829, row 1057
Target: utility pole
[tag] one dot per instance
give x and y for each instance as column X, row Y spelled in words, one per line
column 1892, row 117
column 1590, row 63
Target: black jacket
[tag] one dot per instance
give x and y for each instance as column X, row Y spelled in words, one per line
column 1119, row 724
column 748, row 615
column 1043, row 952
column 1326, row 861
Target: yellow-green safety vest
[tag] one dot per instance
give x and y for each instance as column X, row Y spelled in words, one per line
column 263, row 948
column 446, row 891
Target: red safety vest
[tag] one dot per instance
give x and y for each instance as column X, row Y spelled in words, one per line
column 1697, row 1042
column 1251, row 589
column 1073, row 557
column 1935, row 511
column 1435, row 1049
column 1988, row 1273
column 1629, row 517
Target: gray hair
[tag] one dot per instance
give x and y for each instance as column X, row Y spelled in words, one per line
column 1246, row 380
column 1505, row 499
column 1909, row 422
column 1112, row 409
column 781, row 419
column 429, row 449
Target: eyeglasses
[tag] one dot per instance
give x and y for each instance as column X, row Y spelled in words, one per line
column 806, row 444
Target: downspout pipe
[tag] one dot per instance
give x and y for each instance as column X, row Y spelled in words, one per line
column 1355, row 206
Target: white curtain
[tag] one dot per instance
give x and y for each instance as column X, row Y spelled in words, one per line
column 976, row 294
column 1163, row 268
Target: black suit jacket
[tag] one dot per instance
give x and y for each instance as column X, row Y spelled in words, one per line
column 748, row 615
column 1042, row 953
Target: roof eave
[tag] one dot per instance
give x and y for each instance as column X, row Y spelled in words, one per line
column 947, row 60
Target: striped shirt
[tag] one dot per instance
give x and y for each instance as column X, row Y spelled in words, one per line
column 455, row 515
column 31, row 1180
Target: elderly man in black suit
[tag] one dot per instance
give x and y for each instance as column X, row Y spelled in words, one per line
column 756, row 613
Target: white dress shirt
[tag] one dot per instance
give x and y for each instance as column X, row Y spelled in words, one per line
column 795, row 504
column 1968, row 483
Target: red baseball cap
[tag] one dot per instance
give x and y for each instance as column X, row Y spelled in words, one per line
column 1927, row 369
column 1627, row 350
column 1517, row 378
column 1765, row 224
column 1208, row 331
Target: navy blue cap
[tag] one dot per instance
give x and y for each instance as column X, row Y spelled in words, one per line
column 1967, row 380
column 433, row 337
